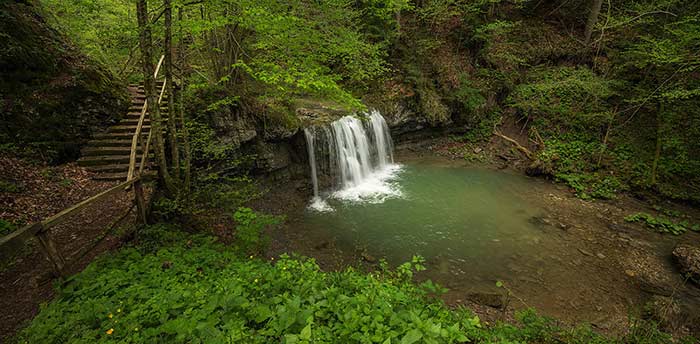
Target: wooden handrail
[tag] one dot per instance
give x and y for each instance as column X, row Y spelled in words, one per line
column 28, row 231
column 160, row 63
column 139, row 127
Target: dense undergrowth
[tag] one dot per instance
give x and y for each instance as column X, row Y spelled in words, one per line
column 175, row 287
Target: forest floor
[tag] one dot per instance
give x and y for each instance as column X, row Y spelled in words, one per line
column 31, row 192
column 621, row 266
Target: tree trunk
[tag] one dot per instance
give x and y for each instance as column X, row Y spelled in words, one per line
column 592, row 20
column 145, row 41
column 657, row 152
column 172, row 130
column 187, row 157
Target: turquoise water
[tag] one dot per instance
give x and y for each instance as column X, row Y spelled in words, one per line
column 464, row 221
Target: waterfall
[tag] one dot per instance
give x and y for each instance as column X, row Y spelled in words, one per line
column 356, row 154
column 312, row 159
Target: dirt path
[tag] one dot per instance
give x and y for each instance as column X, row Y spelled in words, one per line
column 33, row 192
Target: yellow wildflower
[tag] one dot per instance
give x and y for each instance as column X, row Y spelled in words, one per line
column 109, row 315
column 256, row 280
column 110, row 331
column 119, row 310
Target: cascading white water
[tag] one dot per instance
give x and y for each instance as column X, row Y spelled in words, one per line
column 312, row 159
column 356, row 154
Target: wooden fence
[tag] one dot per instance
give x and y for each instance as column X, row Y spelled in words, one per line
column 13, row 242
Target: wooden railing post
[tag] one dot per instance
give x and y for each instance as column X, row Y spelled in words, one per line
column 47, row 245
column 140, row 202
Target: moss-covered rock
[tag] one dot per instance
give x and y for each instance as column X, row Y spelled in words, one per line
column 52, row 97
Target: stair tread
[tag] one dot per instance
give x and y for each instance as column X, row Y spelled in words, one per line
column 113, row 136
column 111, row 157
column 111, row 149
column 108, row 154
column 120, row 175
column 110, row 168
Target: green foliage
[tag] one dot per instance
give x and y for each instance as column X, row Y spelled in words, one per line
column 104, row 29
column 250, row 226
column 283, row 50
column 592, row 185
column 150, row 238
column 9, row 186
column 574, row 162
column 565, row 98
column 6, row 227
column 207, row 294
column 193, row 290
column 662, row 224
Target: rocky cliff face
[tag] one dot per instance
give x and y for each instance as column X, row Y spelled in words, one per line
column 52, row 97
column 278, row 147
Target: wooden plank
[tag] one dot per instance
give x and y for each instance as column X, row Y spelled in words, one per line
column 160, row 63
column 143, row 157
column 134, row 143
column 53, row 220
column 139, row 126
column 47, row 245
column 12, row 242
column 140, row 203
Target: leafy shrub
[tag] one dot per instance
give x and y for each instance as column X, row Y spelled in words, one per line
column 662, row 224
column 209, row 295
column 592, row 185
column 6, row 227
column 9, row 187
column 151, row 237
column 250, row 237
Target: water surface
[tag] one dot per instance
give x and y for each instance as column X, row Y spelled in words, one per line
column 467, row 222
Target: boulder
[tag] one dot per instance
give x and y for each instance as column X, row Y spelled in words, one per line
column 688, row 259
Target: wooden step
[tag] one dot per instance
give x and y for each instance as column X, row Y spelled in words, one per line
column 140, row 108
column 108, row 150
column 135, row 114
column 128, row 129
column 113, row 136
column 122, row 175
column 110, row 143
column 135, row 121
column 107, row 159
column 111, row 168
column 138, row 101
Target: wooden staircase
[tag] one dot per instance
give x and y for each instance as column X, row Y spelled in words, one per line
column 108, row 154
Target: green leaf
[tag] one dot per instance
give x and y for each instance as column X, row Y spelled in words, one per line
column 411, row 337
column 306, row 333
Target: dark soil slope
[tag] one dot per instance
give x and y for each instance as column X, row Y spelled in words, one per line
column 51, row 96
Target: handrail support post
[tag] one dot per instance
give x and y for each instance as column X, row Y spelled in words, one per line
column 57, row 261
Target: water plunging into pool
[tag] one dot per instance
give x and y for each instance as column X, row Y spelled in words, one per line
column 357, row 156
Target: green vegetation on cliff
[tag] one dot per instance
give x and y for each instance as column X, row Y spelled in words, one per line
column 52, row 97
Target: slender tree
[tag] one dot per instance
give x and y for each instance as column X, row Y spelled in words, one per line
column 168, row 51
column 145, row 42
column 187, row 156
column 592, row 20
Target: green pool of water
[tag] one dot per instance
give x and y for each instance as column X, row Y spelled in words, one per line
column 464, row 221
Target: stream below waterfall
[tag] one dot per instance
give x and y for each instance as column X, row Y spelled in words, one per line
column 573, row 259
